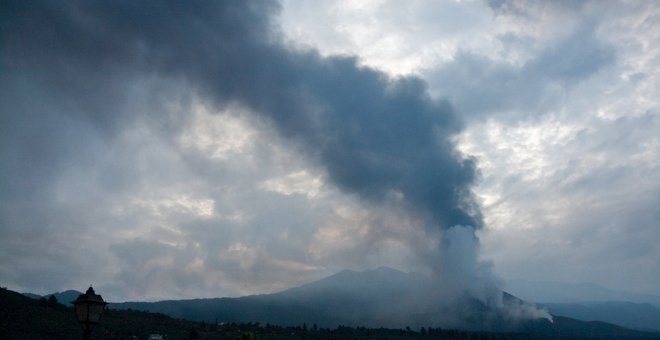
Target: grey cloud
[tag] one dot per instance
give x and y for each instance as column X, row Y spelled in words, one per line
column 594, row 199
column 480, row 86
column 592, row 212
column 102, row 77
column 372, row 133
column 525, row 8
column 573, row 58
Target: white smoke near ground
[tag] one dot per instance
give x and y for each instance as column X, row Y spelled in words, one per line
column 462, row 271
column 521, row 310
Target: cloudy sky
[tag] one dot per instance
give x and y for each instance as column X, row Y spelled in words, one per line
column 178, row 150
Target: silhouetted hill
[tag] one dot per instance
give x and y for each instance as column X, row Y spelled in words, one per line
column 25, row 318
column 561, row 292
column 32, row 296
column 563, row 327
column 376, row 298
column 65, row 297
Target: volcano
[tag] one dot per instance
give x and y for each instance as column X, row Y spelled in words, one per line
column 382, row 297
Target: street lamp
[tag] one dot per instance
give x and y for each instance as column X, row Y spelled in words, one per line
column 89, row 307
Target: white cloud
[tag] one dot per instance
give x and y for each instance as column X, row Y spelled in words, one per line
column 299, row 182
column 397, row 37
column 217, row 135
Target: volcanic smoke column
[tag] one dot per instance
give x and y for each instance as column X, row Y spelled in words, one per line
column 375, row 136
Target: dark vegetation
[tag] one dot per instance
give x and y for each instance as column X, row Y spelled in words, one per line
column 25, row 318
column 374, row 298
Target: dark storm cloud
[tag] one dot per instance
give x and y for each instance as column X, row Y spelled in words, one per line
column 375, row 136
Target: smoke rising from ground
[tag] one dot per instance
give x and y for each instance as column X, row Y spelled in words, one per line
column 384, row 140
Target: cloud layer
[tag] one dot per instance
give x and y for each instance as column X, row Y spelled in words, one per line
column 170, row 150
column 191, row 146
column 561, row 114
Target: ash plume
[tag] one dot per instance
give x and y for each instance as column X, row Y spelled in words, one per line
column 376, row 137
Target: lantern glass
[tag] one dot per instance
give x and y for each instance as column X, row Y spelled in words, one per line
column 89, row 307
column 82, row 312
column 95, row 309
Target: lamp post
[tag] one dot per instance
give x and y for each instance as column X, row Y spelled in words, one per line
column 89, row 307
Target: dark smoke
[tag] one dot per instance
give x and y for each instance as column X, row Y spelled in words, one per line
column 376, row 137
column 373, row 134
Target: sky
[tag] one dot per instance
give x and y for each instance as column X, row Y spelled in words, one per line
column 170, row 150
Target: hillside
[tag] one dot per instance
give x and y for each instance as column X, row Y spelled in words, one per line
column 562, row 292
column 374, row 298
column 383, row 297
column 66, row 297
column 25, row 318
column 641, row 316
column 591, row 302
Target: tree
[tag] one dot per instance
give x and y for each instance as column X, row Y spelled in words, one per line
column 193, row 334
column 52, row 301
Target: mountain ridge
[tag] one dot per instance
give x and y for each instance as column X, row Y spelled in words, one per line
column 335, row 300
column 563, row 292
column 25, row 318
column 641, row 316
column 65, row 297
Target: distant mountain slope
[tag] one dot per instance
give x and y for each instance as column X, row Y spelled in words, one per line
column 591, row 302
column 25, row 318
column 65, row 297
column 346, row 298
column 560, row 292
column 33, row 296
column 567, row 328
column 22, row 317
column 627, row 314
column 374, row 298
